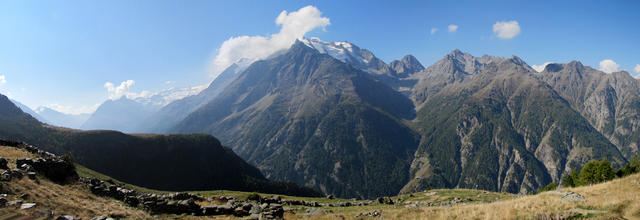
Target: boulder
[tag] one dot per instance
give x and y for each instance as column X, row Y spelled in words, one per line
column 54, row 168
column 4, row 164
column 369, row 214
column 185, row 196
column 132, row 201
column 385, row 200
column 27, row 205
column 217, row 210
column 14, row 203
column 32, row 175
column 273, row 212
column 239, row 211
column 6, row 176
column 572, row 197
column 16, row 173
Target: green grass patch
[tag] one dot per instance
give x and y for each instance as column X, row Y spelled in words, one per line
column 88, row 173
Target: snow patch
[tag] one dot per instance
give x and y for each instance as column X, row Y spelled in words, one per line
column 341, row 50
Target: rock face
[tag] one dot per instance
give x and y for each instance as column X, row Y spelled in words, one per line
column 306, row 117
column 502, row 130
column 482, row 122
column 408, row 65
column 455, row 68
column 610, row 102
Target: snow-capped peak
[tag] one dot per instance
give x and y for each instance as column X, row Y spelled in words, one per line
column 166, row 96
column 341, row 50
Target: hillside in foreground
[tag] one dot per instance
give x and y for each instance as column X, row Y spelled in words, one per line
column 85, row 198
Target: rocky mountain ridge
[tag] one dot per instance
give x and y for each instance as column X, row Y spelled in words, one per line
column 460, row 102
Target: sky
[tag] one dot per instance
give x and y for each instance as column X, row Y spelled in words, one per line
column 73, row 55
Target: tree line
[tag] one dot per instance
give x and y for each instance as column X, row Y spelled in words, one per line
column 596, row 172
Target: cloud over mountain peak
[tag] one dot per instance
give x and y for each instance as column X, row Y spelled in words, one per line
column 294, row 25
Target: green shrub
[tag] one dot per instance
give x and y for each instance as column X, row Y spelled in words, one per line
column 550, row 187
column 625, row 171
column 254, row 197
column 571, row 180
column 632, row 167
column 595, row 172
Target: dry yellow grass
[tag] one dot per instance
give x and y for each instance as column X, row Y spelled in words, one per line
column 617, row 199
column 73, row 199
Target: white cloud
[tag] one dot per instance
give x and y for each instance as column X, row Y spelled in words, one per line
column 608, row 66
column 433, row 31
column 506, row 29
column 294, row 25
column 452, row 28
column 637, row 69
column 73, row 110
column 3, row 79
column 119, row 91
column 168, row 82
column 540, row 68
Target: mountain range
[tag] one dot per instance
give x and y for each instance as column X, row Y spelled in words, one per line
column 122, row 114
column 333, row 117
column 164, row 162
column 348, row 119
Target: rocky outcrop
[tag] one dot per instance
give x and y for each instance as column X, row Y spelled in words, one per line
column 255, row 206
column 186, row 203
column 56, row 168
column 4, row 164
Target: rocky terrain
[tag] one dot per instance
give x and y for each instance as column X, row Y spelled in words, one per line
column 610, row 102
column 318, row 122
column 332, row 116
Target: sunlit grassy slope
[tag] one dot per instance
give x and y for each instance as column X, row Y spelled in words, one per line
column 71, row 199
column 617, row 199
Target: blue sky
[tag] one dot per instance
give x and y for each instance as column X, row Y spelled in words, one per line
column 62, row 53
